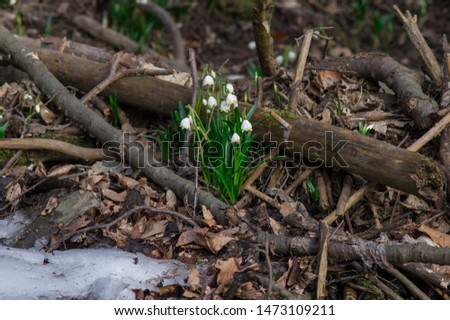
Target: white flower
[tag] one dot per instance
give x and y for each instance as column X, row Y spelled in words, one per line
column 252, row 45
column 224, row 107
column 235, row 138
column 208, row 81
column 279, row 59
column 212, row 102
column 213, row 74
column 246, row 126
column 186, row 123
column 232, row 100
column 230, row 88
column 1, row 116
column 37, row 108
column 27, row 96
column 292, row 56
column 204, row 102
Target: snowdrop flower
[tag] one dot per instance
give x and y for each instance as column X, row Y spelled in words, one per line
column 252, row 45
column 204, row 102
column 212, row 102
column 235, row 138
column 279, row 59
column 37, row 108
column 230, row 88
column 246, row 126
column 231, row 100
column 208, row 81
column 224, row 107
column 213, row 74
column 292, row 56
column 27, row 96
column 186, row 123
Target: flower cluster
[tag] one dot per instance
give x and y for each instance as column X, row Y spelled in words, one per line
column 223, row 134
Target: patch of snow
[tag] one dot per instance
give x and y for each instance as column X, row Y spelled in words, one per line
column 82, row 274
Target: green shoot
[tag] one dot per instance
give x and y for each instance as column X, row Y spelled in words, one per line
column 313, row 190
column 364, row 129
column 339, row 106
column 115, row 109
column 3, row 128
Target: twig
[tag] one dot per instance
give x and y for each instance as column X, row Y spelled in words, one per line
column 301, row 63
column 269, row 266
column 302, row 177
column 322, row 261
column 278, row 119
column 324, row 203
column 432, row 133
column 388, row 291
column 195, row 85
column 125, row 215
column 352, row 200
column 53, row 145
column 263, row 196
column 114, row 76
column 417, row 39
column 407, row 283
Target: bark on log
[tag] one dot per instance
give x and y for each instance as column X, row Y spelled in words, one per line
column 324, row 144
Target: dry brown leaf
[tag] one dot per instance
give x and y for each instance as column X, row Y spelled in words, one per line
column 208, row 218
column 191, row 295
column 276, row 227
column 194, row 280
column 13, row 193
column 441, row 239
column 79, row 223
column 52, row 203
column 171, row 200
column 186, row 238
column 248, row 292
column 227, row 269
column 172, row 290
column 114, row 196
column 154, row 229
column 61, row 171
column 215, row 243
column 127, row 182
column 287, row 208
column 119, row 237
column 46, row 114
column 328, row 78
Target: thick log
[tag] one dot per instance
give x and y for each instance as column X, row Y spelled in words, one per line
column 318, row 142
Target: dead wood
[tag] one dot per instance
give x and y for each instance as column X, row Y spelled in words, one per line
column 405, row 82
column 53, row 145
column 262, row 20
column 417, row 39
column 357, row 249
column 116, row 39
column 29, row 62
column 325, row 144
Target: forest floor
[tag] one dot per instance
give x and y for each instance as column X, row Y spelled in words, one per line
column 272, row 248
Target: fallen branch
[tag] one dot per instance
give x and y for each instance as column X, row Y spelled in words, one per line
column 358, row 249
column 54, row 145
column 417, row 39
column 405, row 82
